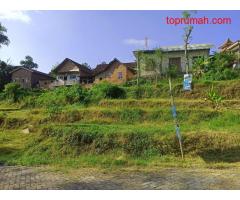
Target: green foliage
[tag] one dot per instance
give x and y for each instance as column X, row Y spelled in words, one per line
column 106, row 91
column 28, row 63
column 214, row 97
column 62, row 96
column 218, row 67
column 137, row 143
column 3, row 37
column 172, row 71
column 5, row 76
column 131, row 115
column 53, row 110
column 13, row 91
column 198, row 67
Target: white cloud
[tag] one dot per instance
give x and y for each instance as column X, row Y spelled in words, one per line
column 138, row 43
column 15, row 15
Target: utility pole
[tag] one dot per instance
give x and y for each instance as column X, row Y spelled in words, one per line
column 146, row 43
column 174, row 112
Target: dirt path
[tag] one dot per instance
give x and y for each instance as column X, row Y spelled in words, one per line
column 13, row 177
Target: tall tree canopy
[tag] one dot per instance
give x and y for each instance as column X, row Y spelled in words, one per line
column 3, row 37
column 187, row 37
column 28, row 63
column 4, row 67
column 5, row 76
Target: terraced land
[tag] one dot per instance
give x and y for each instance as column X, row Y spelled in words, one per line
column 124, row 134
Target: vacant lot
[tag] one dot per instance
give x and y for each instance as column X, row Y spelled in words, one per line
column 121, row 135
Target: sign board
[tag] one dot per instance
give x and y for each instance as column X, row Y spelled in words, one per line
column 187, row 82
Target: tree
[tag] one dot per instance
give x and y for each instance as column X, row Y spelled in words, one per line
column 3, row 38
column 5, row 76
column 140, row 57
column 53, row 70
column 153, row 62
column 28, row 63
column 86, row 65
column 5, row 68
column 187, row 37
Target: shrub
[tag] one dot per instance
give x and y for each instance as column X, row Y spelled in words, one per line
column 13, row 91
column 215, row 98
column 172, row 71
column 62, row 96
column 106, row 91
column 219, row 67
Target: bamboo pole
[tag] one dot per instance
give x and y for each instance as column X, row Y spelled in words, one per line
column 175, row 117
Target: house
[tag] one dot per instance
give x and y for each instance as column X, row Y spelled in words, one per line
column 175, row 56
column 70, row 72
column 229, row 46
column 29, row 78
column 114, row 72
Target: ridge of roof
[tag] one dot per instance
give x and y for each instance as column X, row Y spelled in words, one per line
column 228, row 42
column 31, row 70
column 103, row 67
column 80, row 66
column 179, row 48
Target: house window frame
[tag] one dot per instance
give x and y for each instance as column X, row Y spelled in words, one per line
column 120, row 75
column 71, row 77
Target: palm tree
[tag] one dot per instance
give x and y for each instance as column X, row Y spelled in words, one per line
column 3, row 38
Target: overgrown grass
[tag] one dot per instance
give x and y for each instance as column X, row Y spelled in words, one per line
column 125, row 132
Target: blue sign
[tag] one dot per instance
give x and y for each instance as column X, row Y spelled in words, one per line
column 187, row 82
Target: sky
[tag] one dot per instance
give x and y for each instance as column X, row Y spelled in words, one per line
column 96, row 36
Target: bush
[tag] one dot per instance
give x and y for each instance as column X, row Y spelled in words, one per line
column 62, row 96
column 106, row 91
column 219, row 67
column 13, row 91
column 172, row 71
column 215, row 98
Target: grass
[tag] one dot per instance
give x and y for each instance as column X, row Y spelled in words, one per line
column 124, row 133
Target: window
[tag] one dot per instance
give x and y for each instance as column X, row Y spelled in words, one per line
column 73, row 77
column 60, row 77
column 120, row 75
